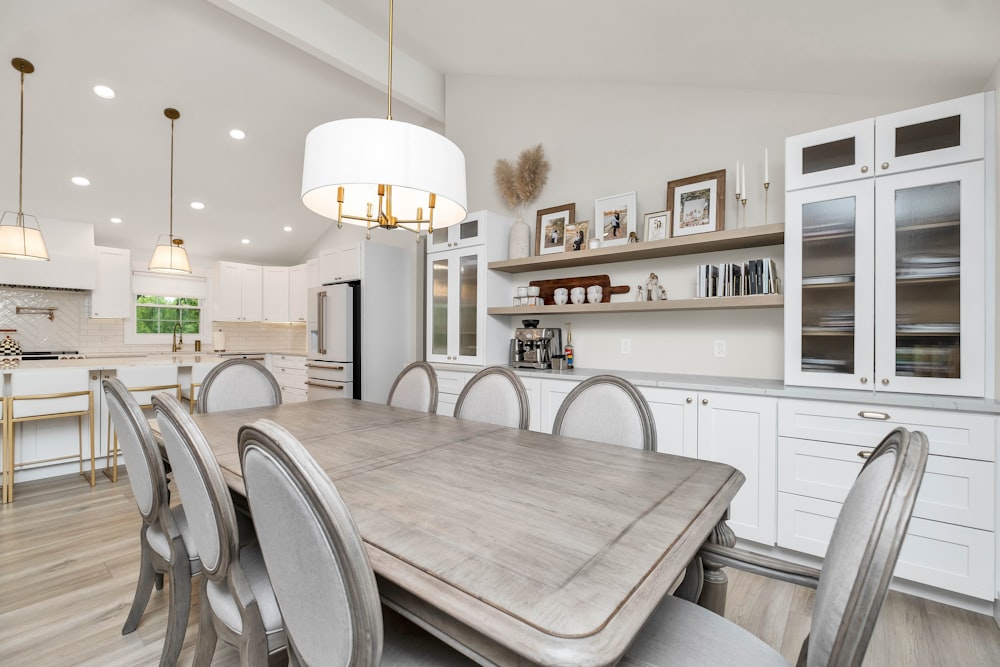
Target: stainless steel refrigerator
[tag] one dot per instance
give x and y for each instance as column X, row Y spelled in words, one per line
column 333, row 346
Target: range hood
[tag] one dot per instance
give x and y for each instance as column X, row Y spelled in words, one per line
column 72, row 264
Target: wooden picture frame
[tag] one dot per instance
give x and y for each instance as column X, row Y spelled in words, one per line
column 656, row 226
column 697, row 203
column 550, row 228
column 615, row 218
column 577, row 235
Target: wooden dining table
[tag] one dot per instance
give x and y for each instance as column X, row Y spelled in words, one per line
column 520, row 547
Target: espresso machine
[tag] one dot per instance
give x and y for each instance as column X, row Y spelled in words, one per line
column 533, row 347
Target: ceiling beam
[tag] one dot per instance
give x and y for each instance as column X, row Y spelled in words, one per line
column 322, row 31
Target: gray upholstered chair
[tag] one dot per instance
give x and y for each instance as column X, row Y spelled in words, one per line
column 236, row 384
column 237, row 603
column 166, row 546
column 494, row 395
column 416, row 388
column 608, row 409
column 849, row 592
column 320, row 570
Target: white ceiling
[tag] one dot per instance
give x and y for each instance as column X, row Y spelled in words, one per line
column 222, row 71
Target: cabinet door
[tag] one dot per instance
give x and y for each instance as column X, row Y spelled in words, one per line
column 229, row 292
column 931, row 136
column 829, row 286
column 457, row 305
column 742, row 431
column 297, row 293
column 253, row 285
column 466, row 233
column 832, row 155
column 274, row 294
column 675, row 414
column 339, row 264
column 929, row 271
column 553, row 393
column 112, row 296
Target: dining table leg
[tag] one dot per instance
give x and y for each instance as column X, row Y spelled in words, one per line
column 715, row 580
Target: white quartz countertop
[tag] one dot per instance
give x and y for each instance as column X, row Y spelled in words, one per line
column 757, row 386
column 118, row 361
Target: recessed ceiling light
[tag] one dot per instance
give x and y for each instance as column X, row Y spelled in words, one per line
column 80, row 180
column 104, row 92
column 245, row 241
column 287, row 228
column 197, row 205
column 237, row 134
column 116, row 221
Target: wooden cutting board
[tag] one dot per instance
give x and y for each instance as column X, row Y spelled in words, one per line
column 546, row 288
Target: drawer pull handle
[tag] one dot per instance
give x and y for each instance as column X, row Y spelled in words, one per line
column 865, row 454
column 325, row 386
column 332, row 368
column 871, row 414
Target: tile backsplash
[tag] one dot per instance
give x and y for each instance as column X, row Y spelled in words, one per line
column 73, row 329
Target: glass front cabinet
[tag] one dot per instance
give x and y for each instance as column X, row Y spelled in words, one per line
column 886, row 279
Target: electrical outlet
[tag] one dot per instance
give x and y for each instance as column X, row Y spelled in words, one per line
column 626, row 346
column 719, row 349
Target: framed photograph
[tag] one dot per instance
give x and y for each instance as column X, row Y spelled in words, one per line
column 550, row 228
column 656, row 226
column 615, row 217
column 698, row 203
column 577, row 236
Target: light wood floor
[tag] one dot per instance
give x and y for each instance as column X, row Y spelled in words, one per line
column 69, row 559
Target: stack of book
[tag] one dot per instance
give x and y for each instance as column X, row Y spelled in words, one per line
column 757, row 276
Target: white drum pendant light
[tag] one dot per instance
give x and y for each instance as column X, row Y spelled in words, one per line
column 20, row 235
column 384, row 173
column 169, row 256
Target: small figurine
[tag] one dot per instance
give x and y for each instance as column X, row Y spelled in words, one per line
column 663, row 293
column 653, row 288
column 632, row 238
column 640, row 293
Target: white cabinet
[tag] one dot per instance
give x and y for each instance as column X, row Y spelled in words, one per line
column 458, row 289
column 675, row 413
column 937, row 134
column 274, row 294
column 112, row 295
column 337, row 265
column 885, row 276
column 312, row 273
column 469, row 232
column 290, row 372
column 950, row 543
column 298, row 287
column 450, row 385
column 238, row 292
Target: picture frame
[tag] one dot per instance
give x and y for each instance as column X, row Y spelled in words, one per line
column 577, row 236
column 697, row 203
column 656, row 226
column 550, row 228
column 615, row 218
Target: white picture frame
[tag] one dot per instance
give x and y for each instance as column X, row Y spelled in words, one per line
column 615, row 218
column 656, row 226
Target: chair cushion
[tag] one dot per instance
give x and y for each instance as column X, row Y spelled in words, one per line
column 226, row 610
column 681, row 634
column 158, row 539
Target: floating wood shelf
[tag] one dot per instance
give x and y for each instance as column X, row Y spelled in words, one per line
column 730, row 239
column 711, row 303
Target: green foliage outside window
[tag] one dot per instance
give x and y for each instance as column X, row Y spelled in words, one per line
column 159, row 314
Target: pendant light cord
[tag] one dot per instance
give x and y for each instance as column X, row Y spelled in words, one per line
column 171, row 180
column 20, row 157
column 388, row 115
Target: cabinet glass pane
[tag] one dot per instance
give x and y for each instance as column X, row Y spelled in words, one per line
column 439, row 236
column 928, row 281
column 468, row 229
column 831, row 155
column 828, row 239
column 468, row 305
column 930, row 136
column 439, row 306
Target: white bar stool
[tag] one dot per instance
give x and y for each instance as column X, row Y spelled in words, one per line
column 198, row 373
column 142, row 382
column 55, row 393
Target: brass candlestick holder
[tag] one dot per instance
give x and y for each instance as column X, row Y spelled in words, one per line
column 744, row 202
column 767, row 185
column 738, row 225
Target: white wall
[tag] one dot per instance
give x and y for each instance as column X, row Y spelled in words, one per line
column 607, row 138
column 993, row 83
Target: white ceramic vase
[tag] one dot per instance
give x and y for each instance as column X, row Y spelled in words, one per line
column 519, row 239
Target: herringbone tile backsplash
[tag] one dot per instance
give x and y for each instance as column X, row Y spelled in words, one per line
column 72, row 328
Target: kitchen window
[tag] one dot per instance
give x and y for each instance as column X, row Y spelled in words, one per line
column 162, row 314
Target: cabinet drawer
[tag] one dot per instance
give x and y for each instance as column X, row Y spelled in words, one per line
column 963, row 435
column 288, row 361
column 953, row 558
column 452, row 382
column 955, row 491
column 290, row 376
column 331, row 372
column 293, row 394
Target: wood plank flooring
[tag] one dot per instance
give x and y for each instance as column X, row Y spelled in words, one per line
column 69, row 560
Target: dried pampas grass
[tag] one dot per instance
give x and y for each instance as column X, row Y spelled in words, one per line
column 521, row 184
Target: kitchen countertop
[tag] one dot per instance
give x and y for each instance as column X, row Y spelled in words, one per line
column 757, row 386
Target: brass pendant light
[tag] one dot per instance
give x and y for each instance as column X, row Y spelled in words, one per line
column 20, row 235
column 169, row 256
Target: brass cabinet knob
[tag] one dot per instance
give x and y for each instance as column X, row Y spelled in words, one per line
column 864, row 169
column 704, row 401
column 885, row 381
column 864, row 380
column 865, row 454
column 885, row 165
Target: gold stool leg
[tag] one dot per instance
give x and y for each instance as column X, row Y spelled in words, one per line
column 111, row 455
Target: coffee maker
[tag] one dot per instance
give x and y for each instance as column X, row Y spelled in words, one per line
column 533, row 347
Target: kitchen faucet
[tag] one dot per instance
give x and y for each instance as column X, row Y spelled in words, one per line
column 177, row 344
